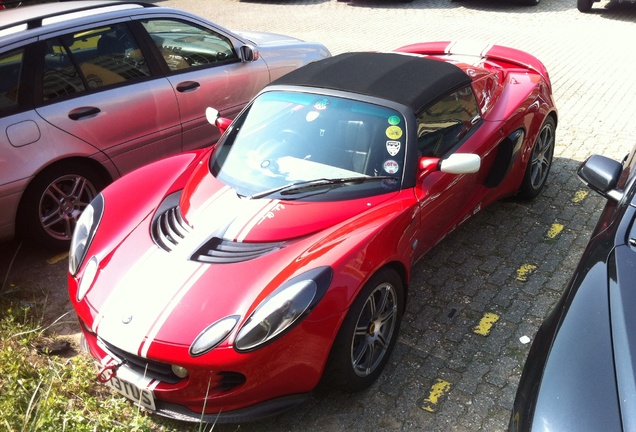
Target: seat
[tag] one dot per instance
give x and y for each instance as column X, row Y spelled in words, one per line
column 110, row 44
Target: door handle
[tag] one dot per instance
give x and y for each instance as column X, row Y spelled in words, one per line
column 187, row 86
column 82, row 112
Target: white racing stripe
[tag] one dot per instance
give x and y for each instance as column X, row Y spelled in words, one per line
column 171, row 307
column 108, row 304
column 154, row 286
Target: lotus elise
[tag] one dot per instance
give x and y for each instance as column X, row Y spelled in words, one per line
column 226, row 284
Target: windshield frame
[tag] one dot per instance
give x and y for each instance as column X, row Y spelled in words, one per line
column 409, row 164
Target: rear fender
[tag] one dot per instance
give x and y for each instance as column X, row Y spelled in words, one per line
column 505, row 57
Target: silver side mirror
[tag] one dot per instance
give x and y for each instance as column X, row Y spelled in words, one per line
column 249, row 53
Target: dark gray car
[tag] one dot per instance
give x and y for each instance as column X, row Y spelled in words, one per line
column 579, row 375
column 91, row 90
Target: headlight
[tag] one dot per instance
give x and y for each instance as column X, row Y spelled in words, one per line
column 213, row 335
column 283, row 309
column 87, row 278
column 84, row 232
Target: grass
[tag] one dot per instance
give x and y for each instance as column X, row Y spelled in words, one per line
column 44, row 392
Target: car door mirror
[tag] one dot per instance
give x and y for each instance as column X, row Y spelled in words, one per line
column 601, row 174
column 457, row 163
column 460, row 163
column 213, row 117
column 249, row 53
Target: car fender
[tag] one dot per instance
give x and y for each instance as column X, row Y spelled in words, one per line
column 571, row 359
column 356, row 249
column 133, row 197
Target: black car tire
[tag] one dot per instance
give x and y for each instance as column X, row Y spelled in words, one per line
column 58, row 195
column 368, row 334
column 530, row 2
column 540, row 161
column 584, row 5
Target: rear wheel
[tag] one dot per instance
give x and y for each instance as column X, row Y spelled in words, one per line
column 584, row 5
column 54, row 201
column 540, row 161
column 368, row 334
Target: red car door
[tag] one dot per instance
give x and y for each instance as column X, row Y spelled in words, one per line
column 446, row 200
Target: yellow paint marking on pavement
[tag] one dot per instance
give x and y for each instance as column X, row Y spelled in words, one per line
column 438, row 390
column 579, row 196
column 554, row 230
column 524, row 271
column 57, row 258
column 485, row 324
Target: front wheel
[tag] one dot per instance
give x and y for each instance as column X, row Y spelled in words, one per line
column 368, row 334
column 540, row 161
column 584, row 5
column 54, row 201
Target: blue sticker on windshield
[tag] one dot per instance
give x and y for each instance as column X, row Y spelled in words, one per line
column 394, row 120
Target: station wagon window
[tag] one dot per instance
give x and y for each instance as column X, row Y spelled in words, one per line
column 10, row 71
column 91, row 59
column 184, row 45
column 443, row 125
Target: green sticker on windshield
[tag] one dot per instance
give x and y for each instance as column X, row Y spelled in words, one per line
column 394, row 120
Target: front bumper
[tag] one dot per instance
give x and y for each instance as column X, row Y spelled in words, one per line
column 229, row 386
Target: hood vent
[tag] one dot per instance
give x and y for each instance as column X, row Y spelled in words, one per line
column 169, row 228
column 220, row 251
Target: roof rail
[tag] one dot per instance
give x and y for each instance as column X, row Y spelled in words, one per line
column 36, row 22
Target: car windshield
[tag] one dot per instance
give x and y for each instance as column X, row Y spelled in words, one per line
column 302, row 145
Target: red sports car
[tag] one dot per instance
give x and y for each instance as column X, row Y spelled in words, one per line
column 225, row 284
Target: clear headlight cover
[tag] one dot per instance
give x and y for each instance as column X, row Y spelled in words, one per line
column 84, row 232
column 283, row 309
column 213, row 335
column 90, row 271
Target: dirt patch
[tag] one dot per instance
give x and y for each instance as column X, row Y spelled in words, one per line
column 38, row 279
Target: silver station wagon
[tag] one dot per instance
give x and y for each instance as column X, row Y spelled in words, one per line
column 91, row 90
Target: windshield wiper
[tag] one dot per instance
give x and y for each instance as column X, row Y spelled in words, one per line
column 298, row 187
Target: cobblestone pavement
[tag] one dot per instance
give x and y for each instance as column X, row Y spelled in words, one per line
column 459, row 356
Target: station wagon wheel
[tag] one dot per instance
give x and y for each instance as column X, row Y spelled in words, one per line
column 540, row 161
column 54, row 201
column 368, row 334
column 584, row 5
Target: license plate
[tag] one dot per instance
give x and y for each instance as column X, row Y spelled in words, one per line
column 142, row 397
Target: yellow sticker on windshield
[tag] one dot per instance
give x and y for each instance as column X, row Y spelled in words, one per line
column 394, row 132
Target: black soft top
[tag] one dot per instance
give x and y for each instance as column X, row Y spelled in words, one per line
column 410, row 80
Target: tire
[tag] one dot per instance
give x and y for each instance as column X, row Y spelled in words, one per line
column 584, row 5
column 368, row 334
column 540, row 161
column 530, row 2
column 54, row 201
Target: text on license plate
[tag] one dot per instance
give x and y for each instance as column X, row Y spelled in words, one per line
column 143, row 397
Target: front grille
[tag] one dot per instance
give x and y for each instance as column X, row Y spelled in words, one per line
column 143, row 366
column 169, row 228
column 220, row 251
